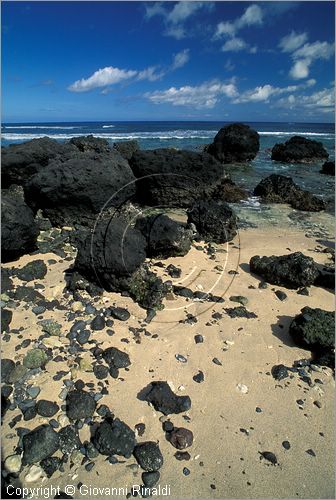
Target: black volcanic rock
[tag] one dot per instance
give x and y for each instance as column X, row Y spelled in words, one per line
column 281, row 189
column 6, row 318
column 148, row 456
column 114, row 438
column 79, row 404
column 328, row 168
column 214, row 221
column 19, row 230
column 164, row 400
column 90, row 143
column 235, row 143
column 314, row 329
column 77, row 189
column 21, row 161
column 291, row 271
column 299, row 150
column 165, row 237
column 39, row 443
column 229, row 192
column 127, row 148
column 167, row 177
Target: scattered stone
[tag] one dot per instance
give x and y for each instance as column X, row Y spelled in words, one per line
column 98, row 323
column 199, row 339
column 299, row 150
column 182, row 455
column 311, row 452
column 79, row 404
column 50, row 465
column 148, row 456
column 242, row 388
column 116, row 359
column 164, row 400
column 181, row 438
column 140, row 428
column 186, row 471
column 7, row 366
column 173, row 271
column 214, row 221
column 281, row 295
column 240, row 312
column 13, row 464
column 181, row 358
column 35, row 358
column 51, row 327
column 199, row 377
column 217, row 362
column 6, row 318
column 303, row 291
column 46, row 408
column 35, row 270
column 240, row 299
column 119, row 313
column 34, row 473
column 100, row 371
column 69, row 440
column 269, row 456
column 39, row 443
column 280, row 372
column 150, row 479
column 114, row 438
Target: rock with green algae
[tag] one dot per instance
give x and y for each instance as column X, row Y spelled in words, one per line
column 35, row 358
column 51, row 327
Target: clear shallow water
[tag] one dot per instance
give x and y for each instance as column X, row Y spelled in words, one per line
column 192, row 136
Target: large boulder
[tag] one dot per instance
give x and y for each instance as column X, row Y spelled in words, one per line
column 77, row 189
column 167, row 177
column 299, row 150
column 127, row 148
column 328, row 168
column 235, row 143
column 281, row 189
column 165, row 237
column 228, row 191
column 19, row 230
column 291, row 271
column 214, row 221
column 21, row 161
column 314, row 329
column 90, row 143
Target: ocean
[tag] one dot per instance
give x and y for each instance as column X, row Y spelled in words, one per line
column 192, row 136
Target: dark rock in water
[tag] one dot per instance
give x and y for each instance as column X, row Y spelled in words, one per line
column 291, row 271
column 314, row 329
column 119, row 313
column 19, row 230
column 79, row 404
column 328, row 168
column 240, row 312
column 269, row 456
column 164, row 400
column 150, row 479
column 98, row 323
column 279, row 372
column 199, row 377
column 69, row 439
column 77, row 189
column 114, row 438
column 214, row 221
column 116, row 359
column 46, row 408
column 281, row 189
column 6, row 318
column 50, row 465
column 172, row 178
column 181, row 438
column 148, row 456
column 127, row 148
column 21, row 161
column 281, row 295
column 165, row 237
column 7, row 366
column 90, row 143
column 299, row 150
column 35, row 270
column 235, row 143
column 173, row 271
column 40, row 443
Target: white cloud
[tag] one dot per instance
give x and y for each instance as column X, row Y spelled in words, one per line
column 150, row 74
column 321, row 101
column 154, row 9
column 177, row 32
column 293, row 41
column 225, row 29
column 101, row 78
column 205, row 95
column 264, row 92
column 234, row 45
column 182, row 10
column 300, row 69
column 253, row 15
column 316, row 50
column 180, row 59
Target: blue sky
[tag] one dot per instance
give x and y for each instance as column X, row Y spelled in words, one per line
column 252, row 61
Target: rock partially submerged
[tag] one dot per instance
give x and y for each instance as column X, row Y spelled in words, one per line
column 19, row 230
column 281, row 189
column 299, row 150
column 235, row 143
column 164, row 400
column 214, row 221
column 167, row 177
column 328, row 168
column 165, row 237
column 291, row 271
column 314, row 329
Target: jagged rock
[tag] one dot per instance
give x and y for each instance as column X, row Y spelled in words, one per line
column 77, row 189
column 281, row 189
column 164, row 400
column 21, row 161
column 291, row 271
column 46, row 408
column 68, row 439
column 229, row 192
column 214, row 221
column 328, row 168
column 19, row 230
column 35, row 270
column 90, row 143
column 165, row 237
column 299, row 150
column 79, row 404
column 314, row 329
column 114, row 438
column 172, row 178
column 127, row 148
column 7, row 366
column 40, row 443
column 148, row 456
column 235, row 143
column 116, row 359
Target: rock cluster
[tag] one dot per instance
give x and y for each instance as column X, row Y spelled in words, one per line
column 299, row 150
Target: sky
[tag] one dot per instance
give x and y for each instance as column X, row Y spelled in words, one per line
column 91, row 61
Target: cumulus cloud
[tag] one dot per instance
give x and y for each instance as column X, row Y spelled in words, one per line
column 293, row 41
column 300, row 69
column 234, row 45
column 102, row 78
column 205, row 95
column 264, row 92
column 180, row 59
column 322, row 101
column 151, row 74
